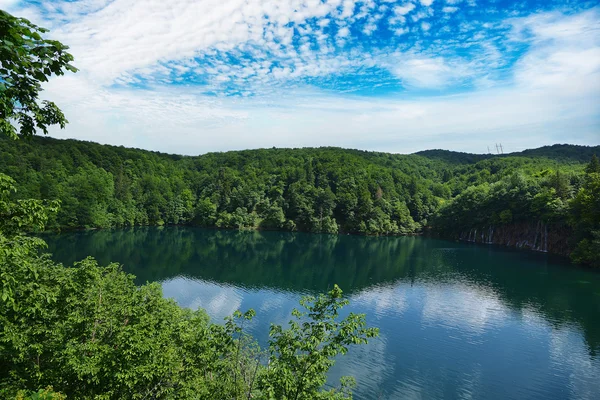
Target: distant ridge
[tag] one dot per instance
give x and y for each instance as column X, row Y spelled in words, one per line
column 562, row 152
column 453, row 157
column 558, row 152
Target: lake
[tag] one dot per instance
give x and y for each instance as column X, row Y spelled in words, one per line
column 456, row 320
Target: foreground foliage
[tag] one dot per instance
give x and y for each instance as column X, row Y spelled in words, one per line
column 27, row 60
column 90, row 332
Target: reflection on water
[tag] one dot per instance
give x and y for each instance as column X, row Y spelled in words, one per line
column 456, row 320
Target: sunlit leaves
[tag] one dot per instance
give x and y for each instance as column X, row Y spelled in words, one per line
column 301, row 355
column 90, row 332
column 26, row 61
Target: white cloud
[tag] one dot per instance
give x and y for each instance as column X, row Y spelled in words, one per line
column 404, row 9
column 424, row 13
column 123, row 36
column 564, row 53
column 428, row 72
column 426, row 3
column 7, row 4
column 450, row 9
column 344, row 32
column 123, row 44
column 466, row 122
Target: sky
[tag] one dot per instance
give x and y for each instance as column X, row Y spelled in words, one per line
column 194, row 76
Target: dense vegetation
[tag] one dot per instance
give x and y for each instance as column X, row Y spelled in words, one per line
column 327, row 190
column 562, row 198
column 317, row 190
column 89, row 331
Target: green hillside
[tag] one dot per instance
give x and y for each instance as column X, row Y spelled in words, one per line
column 328, row 190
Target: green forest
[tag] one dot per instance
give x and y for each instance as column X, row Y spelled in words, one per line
column 328, row 190
column 89, row 332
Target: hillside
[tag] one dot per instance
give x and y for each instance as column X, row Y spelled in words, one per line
column 329, row 190
column 563, row 153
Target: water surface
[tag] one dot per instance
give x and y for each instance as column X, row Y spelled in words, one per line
column 457, row 321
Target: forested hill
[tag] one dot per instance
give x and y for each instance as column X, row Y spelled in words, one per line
column 564, row 153
column 311, row 189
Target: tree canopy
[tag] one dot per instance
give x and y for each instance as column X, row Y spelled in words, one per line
column 328, row 190
column 26, row 61
column 88, row 331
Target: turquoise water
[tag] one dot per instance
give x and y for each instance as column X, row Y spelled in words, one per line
column 457, row 321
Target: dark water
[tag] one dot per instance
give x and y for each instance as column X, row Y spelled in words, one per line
column 456, row 320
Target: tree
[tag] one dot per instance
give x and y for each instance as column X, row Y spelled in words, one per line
column 301, row 355
column 560, row 183
column 20, row 216
column 27, row 60
column 273, row 217
column 593, row 166
column 585, row 219
column 92, row 333
column 206, row 212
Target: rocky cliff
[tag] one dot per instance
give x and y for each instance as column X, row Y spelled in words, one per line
column 537, row 236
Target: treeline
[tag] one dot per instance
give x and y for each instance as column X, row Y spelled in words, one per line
column 90, row 332
column 328, row 190
column 561, row 198
column 316, row 190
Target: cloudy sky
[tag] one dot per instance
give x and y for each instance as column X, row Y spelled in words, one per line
column 191, row 76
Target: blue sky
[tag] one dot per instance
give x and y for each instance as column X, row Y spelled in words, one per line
column 189, row 76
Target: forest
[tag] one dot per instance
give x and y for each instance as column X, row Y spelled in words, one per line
column 88, row 331
column 326, row 190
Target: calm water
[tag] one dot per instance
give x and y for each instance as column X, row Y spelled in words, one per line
column 456, row 321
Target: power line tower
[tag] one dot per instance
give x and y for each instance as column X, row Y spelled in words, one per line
column 501, row 149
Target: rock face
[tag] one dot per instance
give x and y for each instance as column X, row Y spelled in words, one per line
column 537, row 236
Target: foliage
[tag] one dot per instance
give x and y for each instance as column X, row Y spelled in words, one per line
column 325, row 190
column 563, row 197
column 92, row 333
column 593, row 166
column 302, row 354
column 585, row 218
column 22, row 215
column 42, row 394
column 315, row 190
column 27, row 60
column 514, row 198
